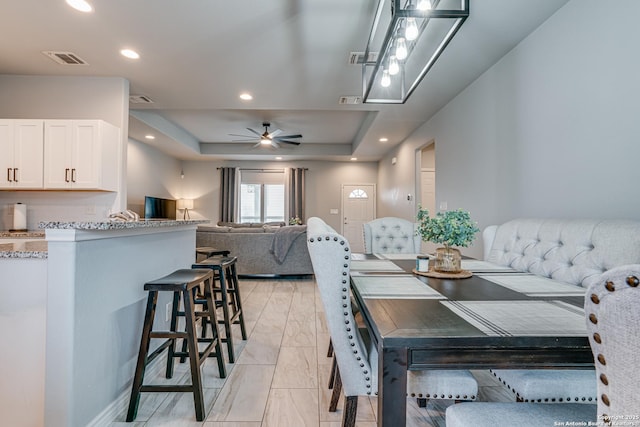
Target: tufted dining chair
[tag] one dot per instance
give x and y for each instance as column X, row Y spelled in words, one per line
column 354, row 352
column 612, row 316
column 391, row 235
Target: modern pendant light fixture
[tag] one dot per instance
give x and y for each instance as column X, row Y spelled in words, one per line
column 407, row 37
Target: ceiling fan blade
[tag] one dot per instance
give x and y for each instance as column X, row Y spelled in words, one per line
column 274, row 133
column 254, row 131
column 289, row 136
column 244, row 140
column 243, row 136
column 284, row 141
column 274, row 144
column 257, row 145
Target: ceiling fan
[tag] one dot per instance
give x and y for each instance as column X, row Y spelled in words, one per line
column 274, row 139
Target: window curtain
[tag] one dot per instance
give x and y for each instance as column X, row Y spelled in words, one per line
column 295, row 178
column 229, row 194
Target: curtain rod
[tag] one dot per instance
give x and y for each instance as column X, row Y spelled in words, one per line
column 265, row 170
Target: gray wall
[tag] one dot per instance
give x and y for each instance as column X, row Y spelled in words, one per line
column 151, row 173
column 49, row 97
column 551, row 130
column 324, row 180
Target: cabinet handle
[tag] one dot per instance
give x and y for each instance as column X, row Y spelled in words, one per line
column 73, row 175
column 9, row 174
column 66, row 175
column 14, row 174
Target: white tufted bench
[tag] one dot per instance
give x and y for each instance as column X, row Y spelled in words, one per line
column 390, row 235
column 577, row 252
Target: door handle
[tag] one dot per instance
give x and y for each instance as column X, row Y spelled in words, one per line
column 14, row 174
column 9, row 174
column 66, row 175
column 73, row 175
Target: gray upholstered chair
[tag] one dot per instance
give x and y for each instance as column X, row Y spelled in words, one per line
column 355, row 354
column 612, row 316
column 391, row 235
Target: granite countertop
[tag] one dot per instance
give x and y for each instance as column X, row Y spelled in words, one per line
column 29, row 234
column 26, row 249
column 116, row 225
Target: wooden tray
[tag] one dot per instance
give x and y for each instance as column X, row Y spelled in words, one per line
column 464, row 274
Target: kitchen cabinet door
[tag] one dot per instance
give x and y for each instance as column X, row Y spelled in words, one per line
column 81, row 155
column 21, row 162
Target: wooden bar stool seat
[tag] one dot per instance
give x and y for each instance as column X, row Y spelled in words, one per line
column 225, row 284
column 183, row 284
column 209, row 251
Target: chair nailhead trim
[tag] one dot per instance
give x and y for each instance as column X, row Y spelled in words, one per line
column 596, row 338
column 593, row 319
column 604, row 379
column 605, row 399
column 601, row 359
column 595, row 299
column 610, row 286
column 633, row 281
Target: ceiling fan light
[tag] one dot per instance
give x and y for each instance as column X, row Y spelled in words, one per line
column 265, row 141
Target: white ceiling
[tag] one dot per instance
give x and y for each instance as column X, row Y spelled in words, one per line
column 292, row 55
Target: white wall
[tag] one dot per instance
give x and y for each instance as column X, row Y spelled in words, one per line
column 55, row 97
column 323, row 184
column 551, row 130
column 150, row 172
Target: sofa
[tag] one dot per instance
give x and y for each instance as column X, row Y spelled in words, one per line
column 262, row 249
column 574, row 251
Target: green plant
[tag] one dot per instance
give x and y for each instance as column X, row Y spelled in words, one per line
column 451, row 228
column 295, row 221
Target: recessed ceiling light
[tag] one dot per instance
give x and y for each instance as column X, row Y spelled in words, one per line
column 80, row 5
column 150, row 137
column 353, row 159
column 131, row 54
column 383, row 139
column 245, row 96
column 278, row 158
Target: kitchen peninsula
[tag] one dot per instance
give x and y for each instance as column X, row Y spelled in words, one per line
column 80, row 300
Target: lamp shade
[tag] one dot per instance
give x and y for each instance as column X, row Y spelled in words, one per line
column 185, row 203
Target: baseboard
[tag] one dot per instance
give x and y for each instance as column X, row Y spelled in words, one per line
column 105, row 418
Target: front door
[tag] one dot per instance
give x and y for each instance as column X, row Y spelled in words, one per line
column 358, row 207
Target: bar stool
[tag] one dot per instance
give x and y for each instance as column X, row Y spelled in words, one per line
column 224, row 269
column 182, row 283
column 209, row 251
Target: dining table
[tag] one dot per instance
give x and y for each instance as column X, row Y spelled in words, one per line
column 496, row 318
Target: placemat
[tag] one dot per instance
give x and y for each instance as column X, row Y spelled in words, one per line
column 526, row 318
column 464, row 274
column 476, row 266
column 536, row 286
column 399, row 256
column 395, row 287
column 374, row 265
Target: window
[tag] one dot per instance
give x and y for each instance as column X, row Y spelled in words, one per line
column 358, row 193
column 261, row 196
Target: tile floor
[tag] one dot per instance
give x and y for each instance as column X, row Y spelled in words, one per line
column 281, row 372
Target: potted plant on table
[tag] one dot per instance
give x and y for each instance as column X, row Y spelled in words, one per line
column 450, row 228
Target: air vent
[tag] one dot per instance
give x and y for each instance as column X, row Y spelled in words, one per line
column 140, row 99
column 357, row 58
column 65, row 58
column 344, row 100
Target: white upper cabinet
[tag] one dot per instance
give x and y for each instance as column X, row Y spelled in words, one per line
column 21, row 154
column 81, row 155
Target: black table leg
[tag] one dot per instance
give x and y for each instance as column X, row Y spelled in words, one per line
column 392, row 387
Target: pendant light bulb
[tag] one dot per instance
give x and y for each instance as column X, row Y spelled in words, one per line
column 385, row 81
column 424, row 5
column 411, row 31
column 394, row 67
column 401, row 48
